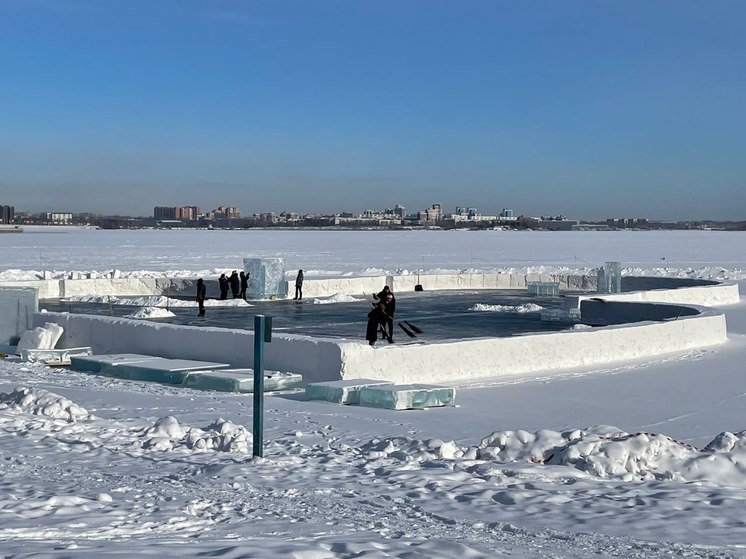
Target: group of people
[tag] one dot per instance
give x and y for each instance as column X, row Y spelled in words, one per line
column 238, row 285
column 381, row 317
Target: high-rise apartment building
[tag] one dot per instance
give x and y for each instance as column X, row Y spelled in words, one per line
column 7, row 214
column 185, row 213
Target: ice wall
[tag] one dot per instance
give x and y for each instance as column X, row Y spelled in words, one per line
column 329, row 359
column 316, row 359
column 17, row 308
column 493, row 357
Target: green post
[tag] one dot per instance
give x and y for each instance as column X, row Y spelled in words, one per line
column 260, row 336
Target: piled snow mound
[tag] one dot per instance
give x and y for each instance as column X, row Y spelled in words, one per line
column 155, row 301
column 150, row 312
column 601, row 451
column 41, row 337
column 406, row 449
column 221, row 436
column 336, row 298
column 516, row 309
column 36, row 401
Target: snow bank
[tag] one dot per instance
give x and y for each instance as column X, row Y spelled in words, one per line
column 155, row 301
column 151, row 312
column 36, row 401
column 601, row 451
column 516, row 309
column 221, row 436
column 336, row 298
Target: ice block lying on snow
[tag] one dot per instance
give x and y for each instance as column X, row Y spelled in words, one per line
column 407, row 396
column 240, row 380
column 341, row 391
column 103, row 362
column 133, row 366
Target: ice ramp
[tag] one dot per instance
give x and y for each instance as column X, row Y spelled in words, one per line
column 132, row 366
column 240, row 380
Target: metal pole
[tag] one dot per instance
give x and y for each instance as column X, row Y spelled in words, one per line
column 259, row 385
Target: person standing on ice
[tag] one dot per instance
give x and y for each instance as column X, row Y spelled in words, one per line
column 298, row 286
column 376, row 320
column 201, row 295
column 386, row 296
column 235, row 284
column 223, row 283
column 244, row 284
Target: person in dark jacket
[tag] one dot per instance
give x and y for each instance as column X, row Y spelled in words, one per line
column 235, row 284
column 376, row 320
column 223, row 283
column 244, row 284
column 298, row 286
column 386, row 296
column 201, row 295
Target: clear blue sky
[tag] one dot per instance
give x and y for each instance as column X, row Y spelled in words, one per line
column 589, row 108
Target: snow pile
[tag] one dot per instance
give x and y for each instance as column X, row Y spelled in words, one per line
column 406, row 449
column 221, row 436
column 336, row 298
column 155, row 301
column 150, row 312
column 515, row 309
column 643, row 456
column 41, row 402
column 41, row 337
column 601, row 451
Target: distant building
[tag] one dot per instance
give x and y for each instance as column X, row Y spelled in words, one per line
column 59, row 218
column 464, row 215
column 225, row 212
column 434, row 214
column 7, row 214
column 182, row 213
column 627, row 222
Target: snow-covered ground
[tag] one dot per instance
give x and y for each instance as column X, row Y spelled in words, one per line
column 641, row 459
column 39, row 252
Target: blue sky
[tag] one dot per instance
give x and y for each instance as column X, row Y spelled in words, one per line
column 590, row 109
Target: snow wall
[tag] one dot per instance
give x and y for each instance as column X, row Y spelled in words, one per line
column 664, row 329
column 123, row 287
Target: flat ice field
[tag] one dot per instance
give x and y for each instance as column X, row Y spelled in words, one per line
column 645, row 459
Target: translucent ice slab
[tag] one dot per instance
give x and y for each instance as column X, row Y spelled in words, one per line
column 241, row 380
column 610, row 278
column 97, row 363
column 266, row 277
column 543, row 288
column 17, row 308
column 132, row 366
column 407, row 396
column 341, row 391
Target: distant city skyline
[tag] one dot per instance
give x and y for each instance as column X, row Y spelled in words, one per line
column 581, row 108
